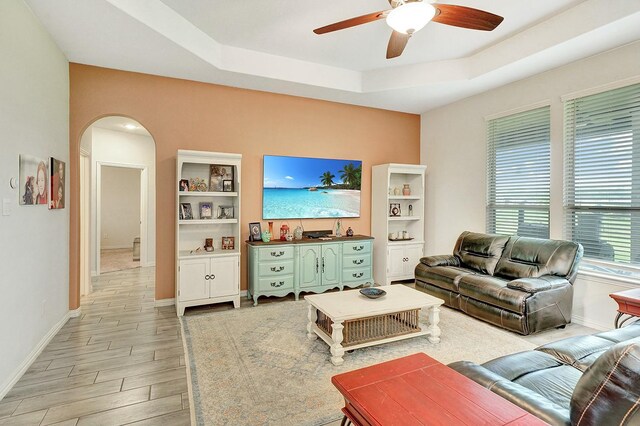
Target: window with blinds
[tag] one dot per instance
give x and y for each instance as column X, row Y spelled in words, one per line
column 518, row 173
column 602, row 174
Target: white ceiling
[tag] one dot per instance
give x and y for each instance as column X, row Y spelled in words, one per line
column 270, row 46
column 121, row 124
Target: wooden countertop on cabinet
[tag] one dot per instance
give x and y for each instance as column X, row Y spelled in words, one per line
column 311, row 240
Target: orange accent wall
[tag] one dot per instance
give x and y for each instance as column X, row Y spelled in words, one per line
column 182, row 114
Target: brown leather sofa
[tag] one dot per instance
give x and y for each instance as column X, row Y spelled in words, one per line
column 521, row 284
column 585, row 380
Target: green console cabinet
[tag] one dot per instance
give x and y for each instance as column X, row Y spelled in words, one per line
column 278, row 268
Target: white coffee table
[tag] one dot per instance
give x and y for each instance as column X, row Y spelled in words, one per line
column 348, row 320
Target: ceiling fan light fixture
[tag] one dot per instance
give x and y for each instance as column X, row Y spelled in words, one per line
column 411, row 17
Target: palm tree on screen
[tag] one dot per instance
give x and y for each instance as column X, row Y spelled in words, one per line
column 351, row 176
column 327, row 178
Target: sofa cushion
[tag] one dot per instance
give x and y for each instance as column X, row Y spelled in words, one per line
column 533, row 257
column 556, row 384
column 494, row 291
column 446, row 277
column 533, row 402
column 578, row 351
column 480, row 252
column 609, row 390
column 539, row 372
column 622, row 334
column 516, row 365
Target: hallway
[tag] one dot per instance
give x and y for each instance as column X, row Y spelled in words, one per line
column 120, row 362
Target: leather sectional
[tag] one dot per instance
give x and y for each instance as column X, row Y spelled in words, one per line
column 521, row 284
column 585, row 380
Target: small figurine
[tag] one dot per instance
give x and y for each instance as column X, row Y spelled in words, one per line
column 349, row 232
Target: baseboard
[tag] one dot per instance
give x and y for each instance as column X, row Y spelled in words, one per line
column 75, row 313
column 94, row 274
column 243, row 293
column 592, row 324
column 150, row 264
column 24, row 366
column 165, row 302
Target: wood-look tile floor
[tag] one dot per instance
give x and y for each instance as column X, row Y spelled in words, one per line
column 120, row 362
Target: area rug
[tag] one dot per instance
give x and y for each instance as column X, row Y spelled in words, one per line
column 256, row 366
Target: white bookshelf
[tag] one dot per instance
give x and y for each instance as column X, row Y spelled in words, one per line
column 206, row 277
column 395, row 260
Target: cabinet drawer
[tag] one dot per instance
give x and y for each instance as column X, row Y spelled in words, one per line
column 273, row 253
column 362, row 274
column 284, row 267
column 357, row 261
column 276, row 283
column 356, row 247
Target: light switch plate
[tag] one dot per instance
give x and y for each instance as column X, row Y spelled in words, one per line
column 6, row 206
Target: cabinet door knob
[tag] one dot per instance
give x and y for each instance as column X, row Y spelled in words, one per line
column 316, row 265
column 277, row 269
column 323, row 264
column 276, row 283
column 213, row 277
column 206, row 277
column 358, row 261
column 358, row 275
column 358, row 248
column 277, row 253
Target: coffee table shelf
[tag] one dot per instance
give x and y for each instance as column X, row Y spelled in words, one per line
column 350, row 320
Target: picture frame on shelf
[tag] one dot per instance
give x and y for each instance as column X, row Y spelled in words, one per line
column 183, row 186
column 228, row 243
column 198, row 185
column 206, row 210
column 394, row 210
column 186, row 213
column 220, row 173
column 255, row 231
column 227, row 185
column 225, row 212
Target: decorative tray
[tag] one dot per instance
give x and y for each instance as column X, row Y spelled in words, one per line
column 372, row 292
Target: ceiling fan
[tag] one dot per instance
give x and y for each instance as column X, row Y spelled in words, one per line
column 406, row 17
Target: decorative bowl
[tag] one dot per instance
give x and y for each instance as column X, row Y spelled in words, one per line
column 372, row 292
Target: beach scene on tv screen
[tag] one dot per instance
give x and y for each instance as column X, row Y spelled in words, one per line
column 304, row 188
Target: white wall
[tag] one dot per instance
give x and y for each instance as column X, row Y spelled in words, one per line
column 453, row 146
column 34, row 241
column 113, row 147
column 120, row 207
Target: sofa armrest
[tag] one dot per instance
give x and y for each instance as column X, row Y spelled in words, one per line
column 535, row 285
column 441, row 260
column 533, row 402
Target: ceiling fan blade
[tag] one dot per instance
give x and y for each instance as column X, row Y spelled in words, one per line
column 466, row 17
column 348, row 23
column 396, row 45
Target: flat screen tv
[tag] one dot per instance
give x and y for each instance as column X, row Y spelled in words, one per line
column 310, row 188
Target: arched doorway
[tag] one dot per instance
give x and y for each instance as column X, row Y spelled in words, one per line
column 117, row 198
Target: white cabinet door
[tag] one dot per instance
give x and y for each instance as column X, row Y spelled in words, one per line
column 396, row 261
column 193, row 279
column 224, row 276
column 412, row 254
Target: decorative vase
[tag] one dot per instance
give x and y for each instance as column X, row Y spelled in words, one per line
column 266, row 236
column 349, row 232
column 406, row 190
column 297, row 233
column 271, row 228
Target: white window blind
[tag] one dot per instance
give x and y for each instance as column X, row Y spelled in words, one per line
column 518, row 173
column 602, row 174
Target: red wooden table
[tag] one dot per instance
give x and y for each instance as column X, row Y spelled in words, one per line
column 628, row 304
column 418, row 390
